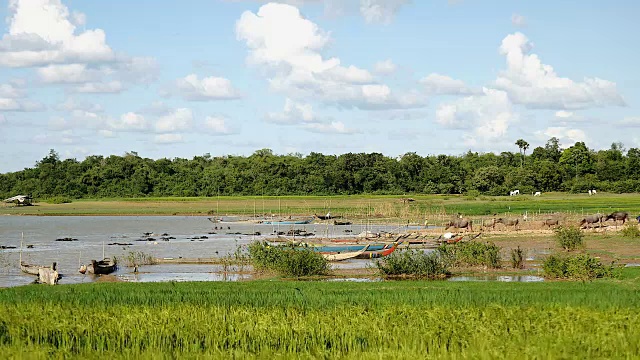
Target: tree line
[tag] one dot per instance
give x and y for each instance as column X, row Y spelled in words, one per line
column 547, row 168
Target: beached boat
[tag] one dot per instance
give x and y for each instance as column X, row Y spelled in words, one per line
column 288, row 222
column 343, row 248
column 378, row 254
column 102, row 267
column 35, row 269
column 339, row 256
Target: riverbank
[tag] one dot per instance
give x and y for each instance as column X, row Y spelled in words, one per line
column 302, row 319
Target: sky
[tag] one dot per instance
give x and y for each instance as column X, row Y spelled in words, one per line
column 185, row 78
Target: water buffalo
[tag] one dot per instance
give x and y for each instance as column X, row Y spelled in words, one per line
column 489, row 223
column 551, row 222
column 459, row 224
column 618, row 215
column 638, row 218
column 509, row 222
column 592, row 219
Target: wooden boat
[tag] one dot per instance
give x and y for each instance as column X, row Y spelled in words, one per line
column 339, row 256
column 343, row 248
column 288, row 222
column 378, row 254
column 35, row 269
column 340, row 223
column 102, row 267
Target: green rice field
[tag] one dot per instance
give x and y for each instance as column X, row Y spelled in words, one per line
column 304, row 319
column 381, row 207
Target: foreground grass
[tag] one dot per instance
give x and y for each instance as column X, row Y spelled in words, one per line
column 324, row 319
column 356, row 207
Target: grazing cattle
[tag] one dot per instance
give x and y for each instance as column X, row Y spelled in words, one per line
column 538, row 193
column 489, row 223
column 618, row 215
column 551, row 222
column 509, row 222
column 592, row 192
column 459, row 224
column 592, row 219
column 514, row 192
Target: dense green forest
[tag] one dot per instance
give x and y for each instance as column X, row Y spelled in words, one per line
column 549, row 168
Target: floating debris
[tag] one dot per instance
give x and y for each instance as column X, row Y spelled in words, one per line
column 122, row 244
column 67, row 239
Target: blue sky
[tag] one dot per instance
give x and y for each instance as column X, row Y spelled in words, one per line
column 180, row 79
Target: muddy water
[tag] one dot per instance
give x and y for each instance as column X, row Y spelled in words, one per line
column 188, row 237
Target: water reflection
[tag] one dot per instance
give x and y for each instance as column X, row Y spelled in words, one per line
column 502, row 278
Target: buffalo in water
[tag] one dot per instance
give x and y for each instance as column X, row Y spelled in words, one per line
column 618, row 215
column 459, row 224
column 592, row 219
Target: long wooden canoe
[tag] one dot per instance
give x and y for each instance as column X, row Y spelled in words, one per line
column 35, row 269
column 380, row 253
column 338, row 256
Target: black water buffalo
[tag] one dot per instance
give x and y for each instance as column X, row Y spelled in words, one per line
column 459, row 224
column 509, row 222
column 551, row 222
column 618, row 215
column 592, row 219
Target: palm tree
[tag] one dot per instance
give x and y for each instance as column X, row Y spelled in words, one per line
column 523, row 145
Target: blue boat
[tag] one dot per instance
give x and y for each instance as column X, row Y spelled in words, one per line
column 343, row 248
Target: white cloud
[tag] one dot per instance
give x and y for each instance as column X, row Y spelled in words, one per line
column 289, row 48
column 128, row 122
column 563, row 114
column 168, row 139
column 567, row 136
column 111, row 87
column 11, row 91
column 71, row 104
column 41, row 33
column 385, row 67
column 218, row 125
column 67, row 74
column 106, row 133
column 536, row 85
column 178, row 120
column 208, row 88
column 483, row 118
column 66, row 137
column 380, row 11
column 335, row 127
column 630, row 121
column 293, row 113
column 437, row 84
column 518, row 20
column 373, row 11
column 8, row 104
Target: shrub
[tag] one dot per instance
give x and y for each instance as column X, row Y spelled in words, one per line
column 569, row 237
column 631, row 231
column 138, row 258
column 286, row 260
column 580, row 267
column 413, row 262
column 517, row 258
column 59, row 200
column 470, row 254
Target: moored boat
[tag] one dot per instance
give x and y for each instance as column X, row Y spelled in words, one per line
column 35, row 269
column 339, row 256
column 102, row 267
column 378, row 254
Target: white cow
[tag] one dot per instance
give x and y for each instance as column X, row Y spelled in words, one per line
column 538, row 193
column 592, row 192
column 514, row 192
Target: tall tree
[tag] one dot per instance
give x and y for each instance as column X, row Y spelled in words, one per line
column 523, row 145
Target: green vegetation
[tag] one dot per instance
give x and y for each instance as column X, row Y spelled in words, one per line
column 139, row 258
column 413, row 262
column 576, row 267
column 631, row 231
column 569, row 238
column 517, row 258
column 550, row 168
column 287, row 261
column 472, row 253
column 409, row 319
column 59, row 200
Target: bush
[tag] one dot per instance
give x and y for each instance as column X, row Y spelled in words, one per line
column 569, row 237
column 138, row 258
column 288, row 261
column 470, row 254
column 580, row 267
column 517, row 258
column 631, row 231
column 413, row 262
column 58, row 200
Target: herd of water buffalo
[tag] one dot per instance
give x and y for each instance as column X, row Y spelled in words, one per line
column 588, row 221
